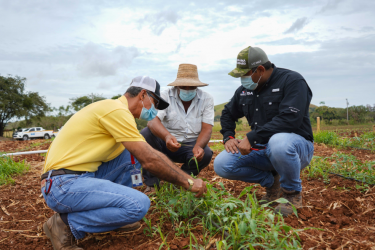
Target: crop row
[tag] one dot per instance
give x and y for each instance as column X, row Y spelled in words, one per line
column 366, row 140
column 346, row 165
column 246, row 223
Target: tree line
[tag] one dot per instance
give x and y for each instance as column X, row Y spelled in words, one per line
column 338, row 116
column 32, row 110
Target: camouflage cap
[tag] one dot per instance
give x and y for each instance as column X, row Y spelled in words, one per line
column 247, row 59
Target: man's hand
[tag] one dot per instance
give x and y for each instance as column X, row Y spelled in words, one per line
column 171, row 143
column 231, row 145
column 198, row 152
column 244, row 146
column 199, row 187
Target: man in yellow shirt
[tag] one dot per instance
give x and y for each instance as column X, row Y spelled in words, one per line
column 89, row 168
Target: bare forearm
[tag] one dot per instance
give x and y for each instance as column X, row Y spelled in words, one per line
column 157, row 128
column 204, row 136
column 164, row 169
column 159, row 165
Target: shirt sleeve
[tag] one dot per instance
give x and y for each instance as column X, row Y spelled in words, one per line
column 291, row 112
column 208, row 112
column 163, row 113
column 121, row 125
column 230, row 114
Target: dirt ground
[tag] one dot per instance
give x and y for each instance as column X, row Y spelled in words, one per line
column 346, row 215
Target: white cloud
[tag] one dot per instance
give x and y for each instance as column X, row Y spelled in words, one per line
column 97, row 60
column 71, row 48
column 297, row 25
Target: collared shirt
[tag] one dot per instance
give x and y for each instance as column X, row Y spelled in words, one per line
column 281, row 105
column 93, row 135
column 186, row 126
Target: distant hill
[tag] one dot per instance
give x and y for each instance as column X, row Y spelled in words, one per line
column 219, row 108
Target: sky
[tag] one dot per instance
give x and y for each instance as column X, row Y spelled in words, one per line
column 72, row 48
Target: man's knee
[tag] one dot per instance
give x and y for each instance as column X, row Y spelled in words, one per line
column 144, row 204
column 280, row 144
column 208, row 153
column 223, row 164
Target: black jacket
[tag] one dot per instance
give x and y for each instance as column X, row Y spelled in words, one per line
column 282, row 105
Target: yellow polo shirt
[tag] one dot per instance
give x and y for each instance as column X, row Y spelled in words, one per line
column 93, row 135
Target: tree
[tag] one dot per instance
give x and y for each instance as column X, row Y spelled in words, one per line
column 116, row 97
column 15, row 102
column 34, row 106
column 79, row 103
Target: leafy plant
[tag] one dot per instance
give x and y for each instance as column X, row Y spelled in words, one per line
column 346, row 165
column 248, row 224
column 10, row 168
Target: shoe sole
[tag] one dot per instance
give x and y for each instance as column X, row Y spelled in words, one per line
column 128, row 230
column 49, row 234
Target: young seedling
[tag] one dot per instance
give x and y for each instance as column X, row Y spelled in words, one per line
column 196, row 162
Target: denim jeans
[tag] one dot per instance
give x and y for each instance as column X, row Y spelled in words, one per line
column 182, row 155
column 287, row 153
column 98, row 201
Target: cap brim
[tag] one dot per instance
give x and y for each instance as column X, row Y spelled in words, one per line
column 238, row 72
column 162, row 103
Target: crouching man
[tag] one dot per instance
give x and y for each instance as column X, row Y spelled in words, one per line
column 275, row 102
column 188, row 120
column 89, row 167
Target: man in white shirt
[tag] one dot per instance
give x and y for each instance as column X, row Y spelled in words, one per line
column 183, row 130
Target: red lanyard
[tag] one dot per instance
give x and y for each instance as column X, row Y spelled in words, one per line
column 132, row 159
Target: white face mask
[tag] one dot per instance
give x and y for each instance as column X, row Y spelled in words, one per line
column 248, row 83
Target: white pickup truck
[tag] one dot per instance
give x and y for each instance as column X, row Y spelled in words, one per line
column 31, row 133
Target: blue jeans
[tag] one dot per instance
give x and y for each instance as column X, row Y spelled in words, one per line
column 98, row 201
column 287, row 153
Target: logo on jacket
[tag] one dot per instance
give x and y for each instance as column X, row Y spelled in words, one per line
column 243, row 93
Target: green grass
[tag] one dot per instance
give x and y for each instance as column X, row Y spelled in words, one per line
column 239, row 127
column 346, row 165
column 326, row 137
column 217, row 146
column 9, row 169
column 248, row 224
column 366, row 140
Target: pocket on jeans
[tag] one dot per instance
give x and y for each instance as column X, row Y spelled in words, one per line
column 55, row 205
column 64, row 183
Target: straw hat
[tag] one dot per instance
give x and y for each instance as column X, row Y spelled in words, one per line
column 187, row 75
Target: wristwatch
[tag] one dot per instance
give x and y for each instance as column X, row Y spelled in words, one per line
column 227, row 139
column 191, row 183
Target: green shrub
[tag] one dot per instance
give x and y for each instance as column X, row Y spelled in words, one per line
column 326, row 137
column 9, row 169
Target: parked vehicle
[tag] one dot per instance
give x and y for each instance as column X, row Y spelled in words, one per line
column 56, row 133
column 31, row 133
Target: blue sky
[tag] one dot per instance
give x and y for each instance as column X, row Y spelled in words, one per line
column 71, row 48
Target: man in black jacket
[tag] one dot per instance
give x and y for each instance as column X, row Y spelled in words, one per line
column 275, row 102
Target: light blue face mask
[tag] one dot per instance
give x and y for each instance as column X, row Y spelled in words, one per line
column 187, row 95
column 247, row 82
column 148, row 114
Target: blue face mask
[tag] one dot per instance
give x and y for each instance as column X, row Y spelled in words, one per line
column 247, row 82
column 187, row 95
column 148, row 114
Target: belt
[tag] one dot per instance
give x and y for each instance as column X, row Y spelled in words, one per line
column 61, row 172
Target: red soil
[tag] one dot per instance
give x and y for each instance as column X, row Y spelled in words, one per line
column 346, row 215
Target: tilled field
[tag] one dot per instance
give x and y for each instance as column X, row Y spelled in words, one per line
column 346, row 215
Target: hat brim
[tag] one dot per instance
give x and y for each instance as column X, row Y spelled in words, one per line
column 188, row 82
column 238, row 72
column 163, row 104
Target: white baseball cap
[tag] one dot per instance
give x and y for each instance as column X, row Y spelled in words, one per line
column 150, row 84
